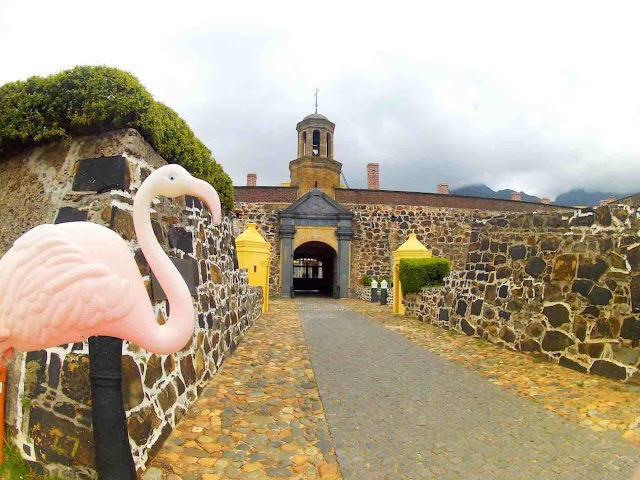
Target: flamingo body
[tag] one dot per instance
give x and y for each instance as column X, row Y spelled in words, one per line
column 64, row 283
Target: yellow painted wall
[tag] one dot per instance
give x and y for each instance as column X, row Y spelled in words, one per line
column 306, row 234
column 412, row 248
column 254, row 255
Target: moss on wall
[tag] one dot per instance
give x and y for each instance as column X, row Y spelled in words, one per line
column 93, row 99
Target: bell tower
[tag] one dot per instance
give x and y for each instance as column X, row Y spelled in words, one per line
column 315, row 166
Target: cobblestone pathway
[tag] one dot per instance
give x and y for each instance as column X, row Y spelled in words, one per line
column 395, row 410
column 259, row 418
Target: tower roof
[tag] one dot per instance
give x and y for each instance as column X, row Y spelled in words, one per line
column 315, row 116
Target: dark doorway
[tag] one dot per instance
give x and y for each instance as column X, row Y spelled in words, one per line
column 314, row 268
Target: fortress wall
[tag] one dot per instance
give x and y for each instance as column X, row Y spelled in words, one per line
column 48, row 400
column 563, row 284
column 391, row 197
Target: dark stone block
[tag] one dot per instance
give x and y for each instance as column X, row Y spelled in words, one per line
column 188, row 270
column 535, row 329
column 443, row 315
column 35, row 365
column 53, row 373
column 482, row 277
column 74, row 379
column 503, row 291
column 499, row 260
column 141, row 425
column 555, row 341
column 564, row 268
column 518, row 252
column 529, row 345
column 557, row 314
column 58, row 440
column 630, row 329
column 609, row 370
column 585, row 220
column 594, row 350
column 461, row 309
column 181, row 239
column 102, row 174
column 153, row 372
column 549, row 245
column 467, row 328
column 507, row 335
column 566, row 362
column 503, row 314
column 187, row 369
column 535, row 266
column 635, row 294
column 633, row 257
column 591, row 311
column 65, row 408
column 503, row 272
column 606, row 328
column 167, row 397
column 583, row 287
column 476, row 307
column 157, row 229
column 192, row 202
column 502, row 222
column 593, row 271
column 474, row 257
column 580, row 329
column 132, row 391
column 603, row 215
column 600, row 296
column 70, row 214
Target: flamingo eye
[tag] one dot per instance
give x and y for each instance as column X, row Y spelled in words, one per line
column 171, row 177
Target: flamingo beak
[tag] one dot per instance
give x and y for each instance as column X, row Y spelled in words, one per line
column 205, row 192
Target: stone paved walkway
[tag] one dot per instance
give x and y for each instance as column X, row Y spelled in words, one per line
column 260, row 417
column 395, row 410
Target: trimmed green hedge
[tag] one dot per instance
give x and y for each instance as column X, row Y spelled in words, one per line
column 88, row 100
column 417, row 273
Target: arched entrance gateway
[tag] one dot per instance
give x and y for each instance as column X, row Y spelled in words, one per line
column 315, row 234
column 314, row 267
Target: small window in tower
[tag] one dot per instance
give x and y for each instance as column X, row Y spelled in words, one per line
column 316, row 143
column 304, row 143
column 328, row 145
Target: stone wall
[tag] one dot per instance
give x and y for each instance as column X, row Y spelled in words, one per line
column 48, row 401
column 566, row 285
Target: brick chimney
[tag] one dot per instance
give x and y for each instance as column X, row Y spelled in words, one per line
column 443, row 189
column 546, row 201
column 252, row 179
column 373, row 176
column 516, row 197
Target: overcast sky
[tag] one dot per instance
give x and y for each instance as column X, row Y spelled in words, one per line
column 535, row 96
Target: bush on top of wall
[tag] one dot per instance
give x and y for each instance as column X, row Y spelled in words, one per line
column 87, row 100
column 417, row 273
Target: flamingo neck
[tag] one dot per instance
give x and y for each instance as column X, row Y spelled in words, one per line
column 174, row 335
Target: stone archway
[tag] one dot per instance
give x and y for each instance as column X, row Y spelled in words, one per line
column 318, row 218
column 314, row 269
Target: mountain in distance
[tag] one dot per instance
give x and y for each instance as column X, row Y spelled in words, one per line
column 575, row 197
column 481, row 190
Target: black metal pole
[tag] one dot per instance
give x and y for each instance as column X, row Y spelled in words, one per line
column 110, row 434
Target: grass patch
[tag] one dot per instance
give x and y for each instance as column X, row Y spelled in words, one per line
column 15, row 468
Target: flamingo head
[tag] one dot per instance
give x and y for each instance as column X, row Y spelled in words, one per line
column 174, row 181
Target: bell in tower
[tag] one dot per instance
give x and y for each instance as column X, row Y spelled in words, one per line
column 315, row 166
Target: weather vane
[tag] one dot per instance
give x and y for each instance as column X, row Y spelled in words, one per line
column 316, row 95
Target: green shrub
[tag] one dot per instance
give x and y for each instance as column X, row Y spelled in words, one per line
column 416, row 273
column 366, row 280
column 87, row 100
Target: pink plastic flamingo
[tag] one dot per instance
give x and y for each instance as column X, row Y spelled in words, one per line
column 64, row 283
